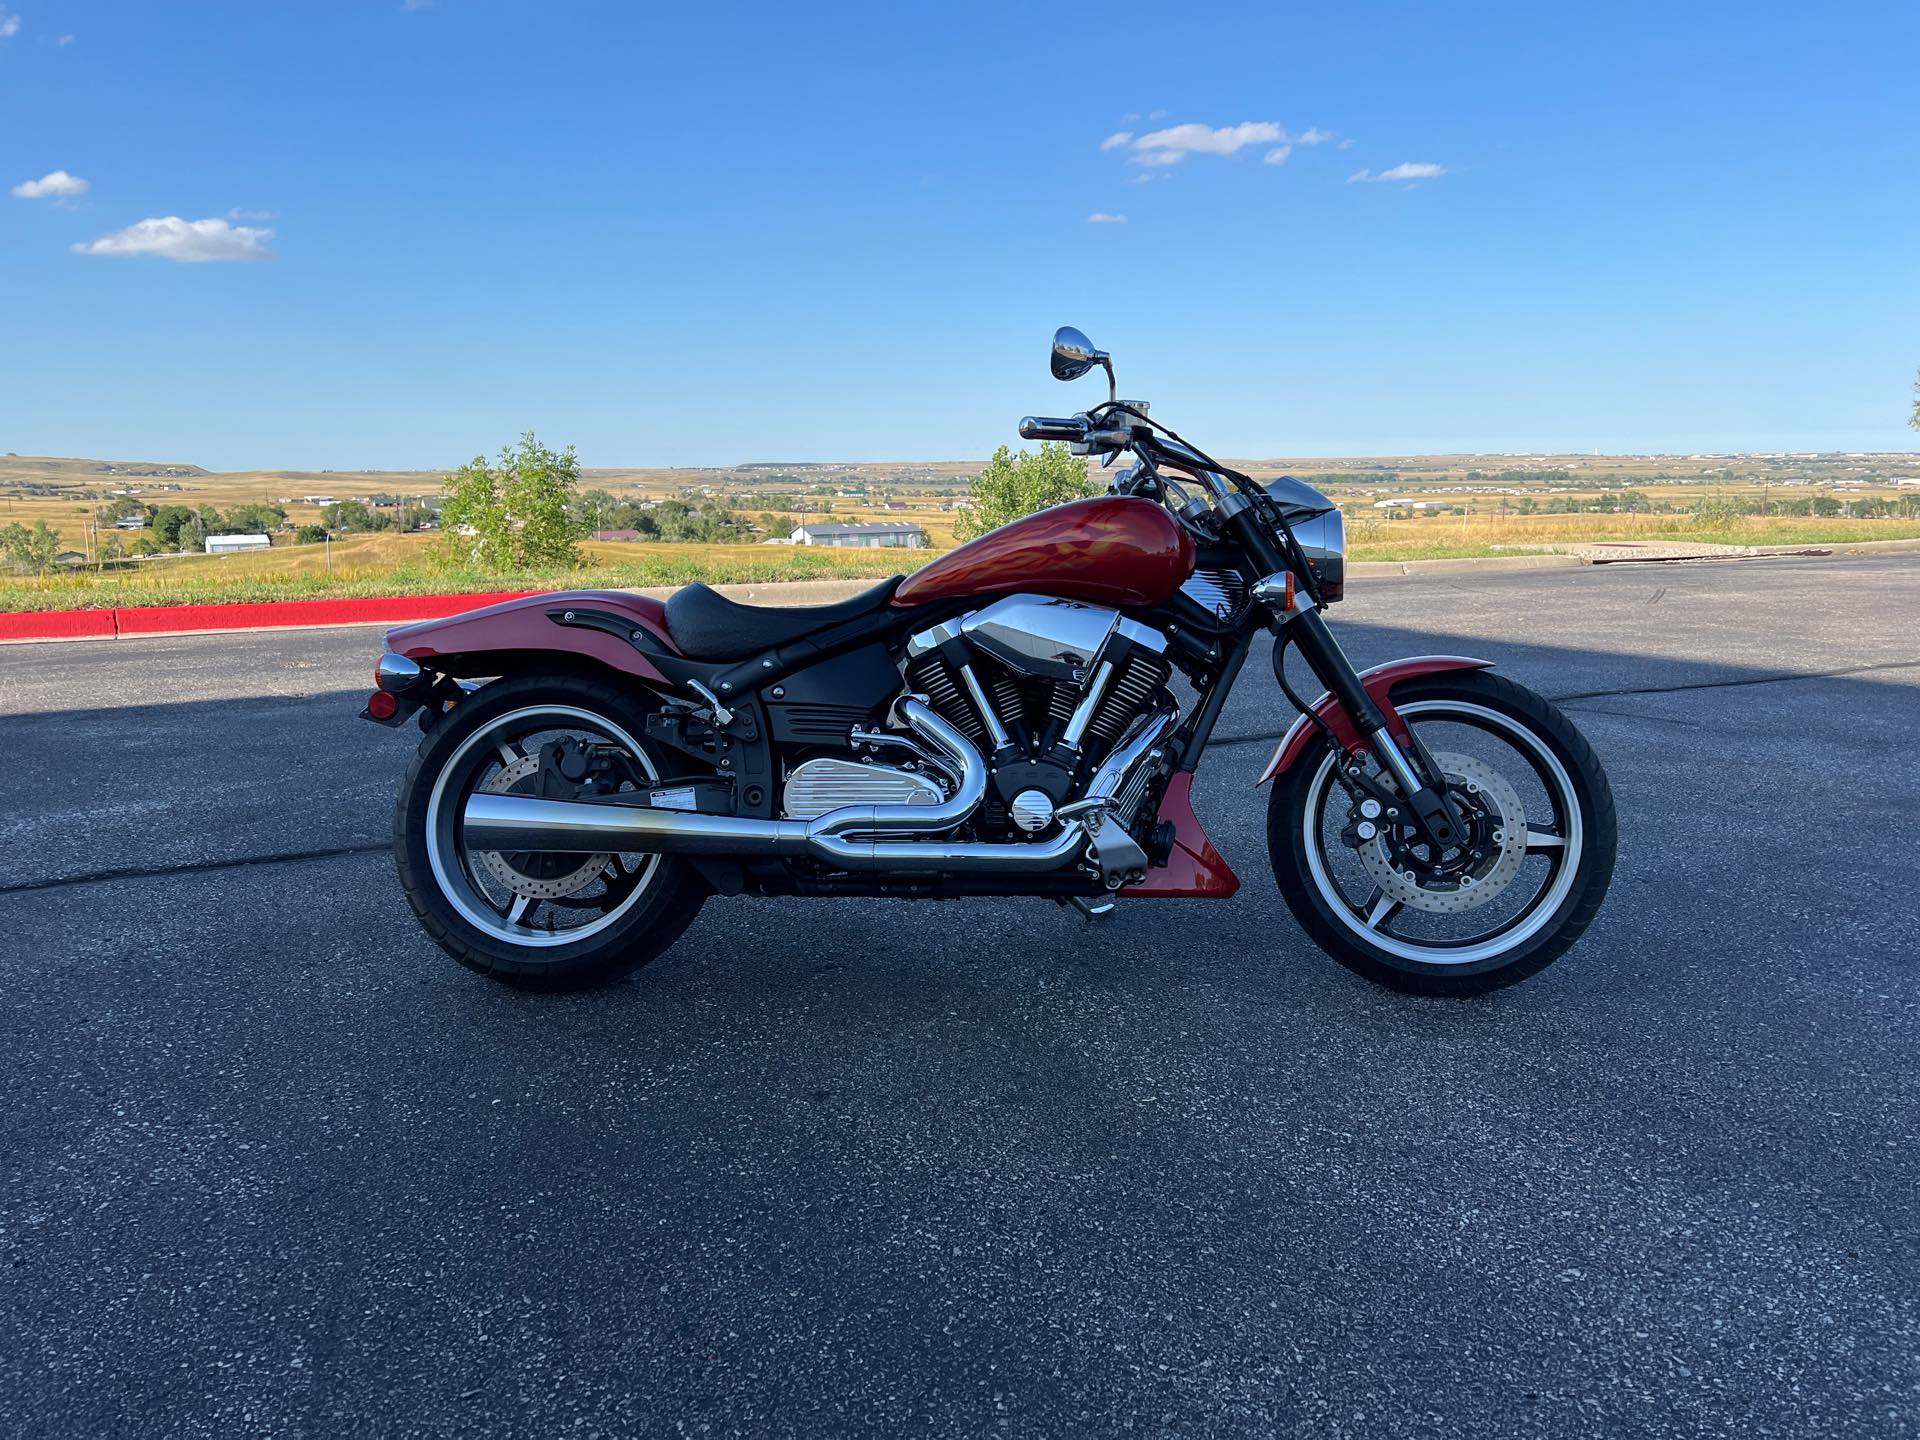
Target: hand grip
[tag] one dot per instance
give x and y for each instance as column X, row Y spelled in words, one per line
column 1047, row 427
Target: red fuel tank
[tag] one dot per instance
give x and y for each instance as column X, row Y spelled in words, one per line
column 1118, row 550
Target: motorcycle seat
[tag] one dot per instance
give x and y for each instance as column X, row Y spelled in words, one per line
column 708, row 626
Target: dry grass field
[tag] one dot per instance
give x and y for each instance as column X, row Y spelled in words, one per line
column 1484, row 496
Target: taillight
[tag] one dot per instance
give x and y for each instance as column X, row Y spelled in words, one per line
column 381, row 705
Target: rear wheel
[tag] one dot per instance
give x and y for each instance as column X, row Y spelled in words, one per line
column 533, row 919
column 1523, row 884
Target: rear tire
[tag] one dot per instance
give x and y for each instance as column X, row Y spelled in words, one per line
column 1550, row 935
column 647, row 922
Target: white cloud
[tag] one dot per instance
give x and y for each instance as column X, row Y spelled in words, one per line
column 1116, row 140
column 1100, row 217
column 188, row 241
column 9, row 23
column 1279, row 156
column 237, row 213
column 57, row 184
column 1407, row 170
column 1313, row 136
column 64, row 40
column 1174, row 144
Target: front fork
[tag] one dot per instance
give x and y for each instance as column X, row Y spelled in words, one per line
column 1296, row 616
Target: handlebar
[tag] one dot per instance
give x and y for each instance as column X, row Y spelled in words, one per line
column 1047, row 427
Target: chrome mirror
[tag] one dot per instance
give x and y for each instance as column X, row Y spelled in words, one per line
column 1073, row 354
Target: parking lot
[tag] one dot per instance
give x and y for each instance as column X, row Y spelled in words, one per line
column 271, row 1162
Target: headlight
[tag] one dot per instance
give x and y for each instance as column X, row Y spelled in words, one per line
column 1324, row 539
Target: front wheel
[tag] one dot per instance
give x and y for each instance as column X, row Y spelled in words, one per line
column 1526, row 880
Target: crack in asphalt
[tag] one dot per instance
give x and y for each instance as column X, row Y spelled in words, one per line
column 1569, row 697
column 154, row 872
column 1737, row 684
column 197, row 867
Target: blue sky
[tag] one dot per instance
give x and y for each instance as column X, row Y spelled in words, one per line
column 722, row 233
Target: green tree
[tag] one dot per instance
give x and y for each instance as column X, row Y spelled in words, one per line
column 166, row 523
column 193, row 533
column 255, row 519
column 515, row 513
column 1914, row 418
column 310, row 535
column 145, row 544
column 30, row 550
column 124, row 508
column 1015, row 485
column 1825, row 506
column 111, row 547
column 538, row 487
column 347, row 515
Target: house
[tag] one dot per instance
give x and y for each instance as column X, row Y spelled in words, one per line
column 318, row 500
column 896, row 504
column 231, row 544
column 132, row 522
column 618, row 535
column 879, row 535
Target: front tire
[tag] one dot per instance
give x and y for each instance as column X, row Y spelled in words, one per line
column 538, row 922
column 1378, row 908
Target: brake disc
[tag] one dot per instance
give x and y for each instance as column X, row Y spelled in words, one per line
column 1492, row 871
column 534, row 887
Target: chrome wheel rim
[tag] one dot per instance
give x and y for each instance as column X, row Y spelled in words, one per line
column 1370, row 916
column 471, row 880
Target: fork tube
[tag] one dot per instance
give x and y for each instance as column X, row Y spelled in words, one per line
column 1329, row 663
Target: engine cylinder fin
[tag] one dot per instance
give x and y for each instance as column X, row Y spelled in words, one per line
column 933, row 677
column 1061, row 701
column 1004, row 693
column 1140, row 679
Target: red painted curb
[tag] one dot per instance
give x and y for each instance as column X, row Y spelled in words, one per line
column 58, row 625
column 268, row 615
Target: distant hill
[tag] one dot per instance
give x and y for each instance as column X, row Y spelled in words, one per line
column 66, row 470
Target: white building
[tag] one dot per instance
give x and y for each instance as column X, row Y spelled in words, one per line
column 229, row 544
column 879, row 535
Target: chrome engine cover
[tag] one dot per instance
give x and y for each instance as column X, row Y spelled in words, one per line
column 817, row 786
column 1043, row 635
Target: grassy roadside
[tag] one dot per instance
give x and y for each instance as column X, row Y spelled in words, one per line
column 1483, row 536
column 400, row 565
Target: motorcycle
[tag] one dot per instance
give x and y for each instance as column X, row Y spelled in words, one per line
column 1021, row 716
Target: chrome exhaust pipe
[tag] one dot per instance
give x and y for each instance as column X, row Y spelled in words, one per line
column 847, row 837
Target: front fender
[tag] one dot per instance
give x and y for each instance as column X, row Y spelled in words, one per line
column 607, row 627
column 1379, row 683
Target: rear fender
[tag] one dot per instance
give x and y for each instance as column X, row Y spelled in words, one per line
column 608, row 629
column 1379, row 683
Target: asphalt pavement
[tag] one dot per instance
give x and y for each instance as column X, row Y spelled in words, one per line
column 271, row 1163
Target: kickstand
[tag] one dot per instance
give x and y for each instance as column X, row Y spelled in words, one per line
column 1094, row 907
